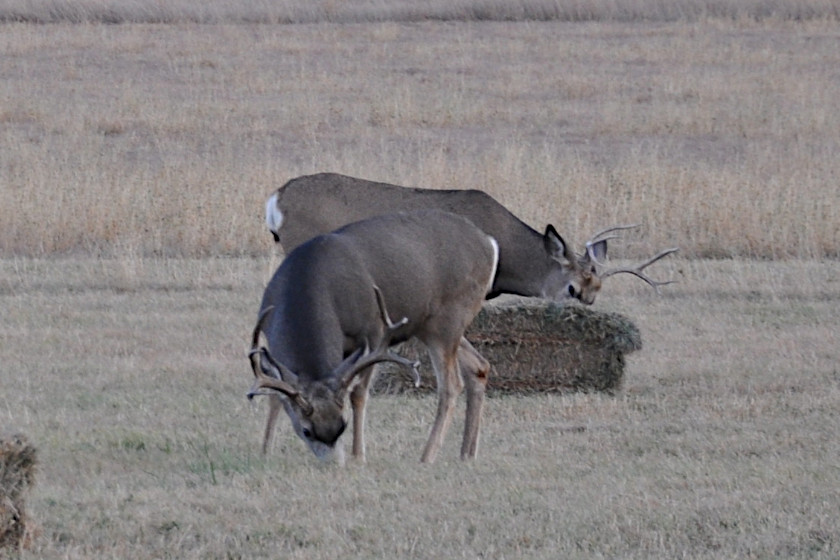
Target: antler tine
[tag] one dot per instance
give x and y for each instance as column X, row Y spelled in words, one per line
column 380, row 354
column 263, row 381
column 350, row 367
column 390, row 327
column 637, row 270
column 255, row 337
column 265, row 384
column 263, row 351
column 598, row 236
column 257, row 349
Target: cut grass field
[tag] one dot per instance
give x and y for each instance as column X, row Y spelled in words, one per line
column 132, row 385
column 134, row 163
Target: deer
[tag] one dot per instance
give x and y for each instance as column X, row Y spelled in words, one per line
column 326, row 315
column 530, row 264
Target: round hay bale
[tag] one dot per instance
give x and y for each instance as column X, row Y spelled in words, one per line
column 536, row 348
column 17, row 474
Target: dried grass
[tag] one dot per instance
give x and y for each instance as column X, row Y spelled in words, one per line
column 295, row 11
column 721, row 444
column 167, row 139
column 18, row 460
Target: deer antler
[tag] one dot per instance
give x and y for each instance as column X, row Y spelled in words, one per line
column 263, row 381
column 637, row 270
column 282, row 371
column 602, row 236
column 354, row 364
column 262, row 360
column 255, row 337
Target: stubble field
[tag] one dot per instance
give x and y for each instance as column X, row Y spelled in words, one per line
column 135, row 160
column 132, row 381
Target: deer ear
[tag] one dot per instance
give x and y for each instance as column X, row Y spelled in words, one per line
column 555, row 246
column 598, row 251
column 270, row 367
column 271, row 375
column 267, row 365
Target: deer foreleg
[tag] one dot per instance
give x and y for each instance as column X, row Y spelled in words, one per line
column 449, row 386
column 358, row 401
column 474, row 371
column 274, row 404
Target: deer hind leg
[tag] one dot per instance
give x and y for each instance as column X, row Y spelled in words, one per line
column 358, row 400
column 449, row 386
column 474, row 371
column 274, row 404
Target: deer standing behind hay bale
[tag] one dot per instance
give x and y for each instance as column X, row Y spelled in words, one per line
column 17, row 474
column 529, row 342
column 531, row 264
column 541, row 348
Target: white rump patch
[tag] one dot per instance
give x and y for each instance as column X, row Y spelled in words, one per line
column 495, row 245
column 273, row 215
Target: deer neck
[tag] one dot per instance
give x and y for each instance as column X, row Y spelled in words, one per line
column 524, row 264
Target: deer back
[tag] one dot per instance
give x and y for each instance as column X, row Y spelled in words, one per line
column 530, row 263
column 315, row 204
column 427, row 264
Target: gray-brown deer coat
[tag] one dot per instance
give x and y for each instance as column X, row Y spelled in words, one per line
column 432, row 268
column 530, row 264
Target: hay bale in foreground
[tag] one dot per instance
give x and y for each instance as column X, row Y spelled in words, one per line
column 17, row 474
column 536, row 348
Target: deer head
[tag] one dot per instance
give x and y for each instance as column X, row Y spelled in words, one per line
column 580, row 276
column 316, row 409
column 577, row 276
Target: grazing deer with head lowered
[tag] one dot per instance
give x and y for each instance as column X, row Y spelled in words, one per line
column 325, row 317
column 530, row 264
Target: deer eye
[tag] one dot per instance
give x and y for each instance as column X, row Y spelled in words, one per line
column 572, row 291
column 306, row 433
